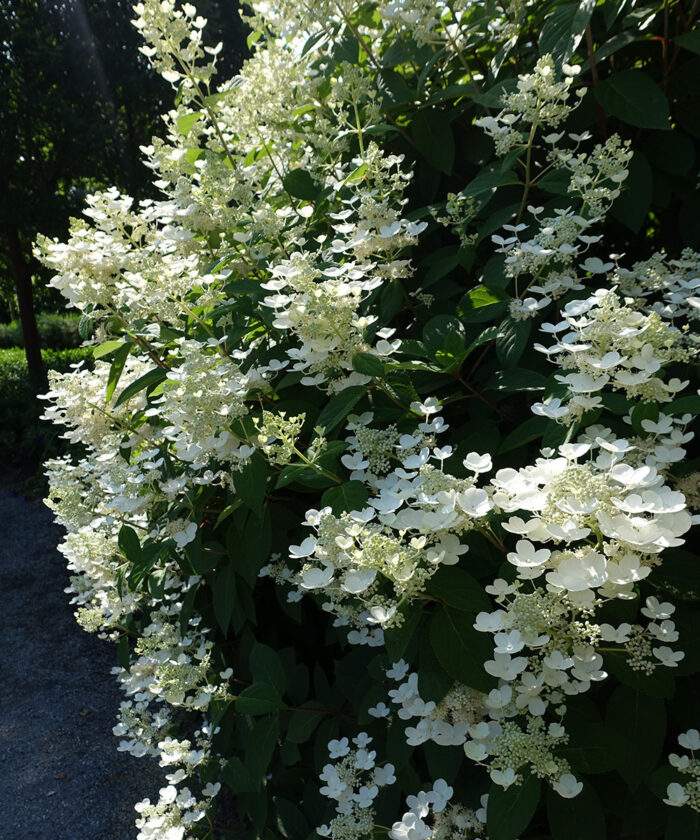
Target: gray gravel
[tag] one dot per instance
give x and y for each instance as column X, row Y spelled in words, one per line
column 61, row 777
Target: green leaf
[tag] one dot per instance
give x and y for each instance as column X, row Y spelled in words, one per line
column 659, row 684
column 580, row 818
column 266, row 666
column 641, row 720
column 186, row 121
column 262, row 741
column 149, row 380
column 261, row 698
column 460, row 649
column 303, row 723
column 116, row 368
column 672, row 153
column 683, row 824
column 516, row 379
column 187, row 608
column 299, row 184
column 633, row 97
column 482, row 303
column 123, row 652
column 457, row 588
column 528, row 430
column 632, row 206
column 488, row 181
column 509, row 811
column 397, row 639
column 443, row 330
column 339, row 406
column 290, row 820
column 107, row 348
column 679, row 574
column 493, row 97
column 224, row 596
column 251, row 483
column 237, row 777
column 564, row 28
column 85, row 327
column 368, row 365
column 352, row 495
column 432, row 133
column 129, row 544
column 513, row 338
column 689, row 41
column 592, row 747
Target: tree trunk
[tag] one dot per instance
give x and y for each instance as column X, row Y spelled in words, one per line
column 22, row 275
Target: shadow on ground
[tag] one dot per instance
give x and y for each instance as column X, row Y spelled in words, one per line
column 61, row 777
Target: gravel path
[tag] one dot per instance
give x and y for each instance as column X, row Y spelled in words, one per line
column 61, row 777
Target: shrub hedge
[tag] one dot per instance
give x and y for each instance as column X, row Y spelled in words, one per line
column 387, row 489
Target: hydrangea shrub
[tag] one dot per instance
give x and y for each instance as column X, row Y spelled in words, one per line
column 383, row 478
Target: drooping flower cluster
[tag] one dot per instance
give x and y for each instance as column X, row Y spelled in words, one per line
column 353, row 782
column 686, row 793
column 432, row 816
column 368, row 563
column 257, row 297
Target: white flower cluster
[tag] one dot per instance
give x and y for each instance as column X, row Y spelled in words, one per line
column 688, row 793
column 540, row 100
column 446, row 820
column 353, row 782
column 489, row 727
column 367, row 563
column 607, row 342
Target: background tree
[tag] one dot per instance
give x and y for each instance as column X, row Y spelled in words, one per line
column 76, row 101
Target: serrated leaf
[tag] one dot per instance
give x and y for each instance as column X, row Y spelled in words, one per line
column 237, row 777
column 266, row 666
column 528, row 430
column 432, row 133
column 509, row 811
column 592, row 747
column 129, row 544
column 442, row 329
column 262, row 741
column 516, row 379
column 251, row 483
column 632, row 96
column 116, row 368
column 631, row 207
column 368, row 365
column 579, row 818
column 186, row 121
column 261, row 698
column 641, row 720
column 564, row 28
column 299, row 184
column 513, row 338
column 85, row 327
column 290, row 820
column 303, row 723
column 683, row 824
column 689, row 41
column 149, row 380
column 352, row 495
column 457, row 588
column 659, row 684
column 397, row 639
column 339, row 406
column 460, row 649
column 107, row 347
column 224, row 596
